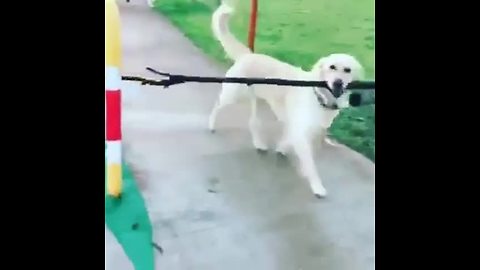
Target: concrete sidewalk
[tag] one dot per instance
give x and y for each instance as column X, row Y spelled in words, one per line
column 216, row 204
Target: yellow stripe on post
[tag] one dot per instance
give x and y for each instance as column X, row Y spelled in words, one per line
column 114, row 179
column 112, row 35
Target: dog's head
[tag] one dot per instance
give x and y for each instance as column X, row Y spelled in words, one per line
column 338, row 70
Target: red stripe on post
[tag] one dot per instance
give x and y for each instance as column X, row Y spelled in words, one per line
column 114, row 113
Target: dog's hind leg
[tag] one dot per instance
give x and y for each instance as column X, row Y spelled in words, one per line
column 230, row 94
column 277, row 109
column 254, row 125
column 213, row 115
column 283, row 145
column 304, row 151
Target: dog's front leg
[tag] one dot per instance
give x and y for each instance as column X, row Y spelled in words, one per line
column 304, row 151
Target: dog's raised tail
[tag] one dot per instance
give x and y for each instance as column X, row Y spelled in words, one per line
column 232, row 46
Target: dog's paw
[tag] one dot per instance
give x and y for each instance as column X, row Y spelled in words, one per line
column 211, row 127
column 321, row 195
column 261, row 151
column 282, row 154
column 211, row 124
column 260, row 146
column 319, row 191
column 281, row 149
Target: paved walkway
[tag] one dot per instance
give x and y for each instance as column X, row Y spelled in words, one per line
column 215, row 204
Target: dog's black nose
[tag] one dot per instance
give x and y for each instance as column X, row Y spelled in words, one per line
column 338, row 84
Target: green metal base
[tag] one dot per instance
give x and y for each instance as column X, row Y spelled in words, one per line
column 128, row 220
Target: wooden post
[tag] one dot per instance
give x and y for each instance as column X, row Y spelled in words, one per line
column 253, row 25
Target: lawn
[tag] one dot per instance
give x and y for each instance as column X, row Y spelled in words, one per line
column 128, row 220
column 298, row 32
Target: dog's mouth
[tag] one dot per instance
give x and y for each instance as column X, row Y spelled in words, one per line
column 324, row 101
column 331, row 107
column 336, row 88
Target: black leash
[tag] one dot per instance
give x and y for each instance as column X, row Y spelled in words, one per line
column 173, row 79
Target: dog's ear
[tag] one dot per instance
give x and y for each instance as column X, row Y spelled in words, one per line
column 318, row 68
column 360, row 73
column 319, row 64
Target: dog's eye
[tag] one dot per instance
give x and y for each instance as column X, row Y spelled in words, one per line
column 333, row 67
column 347, row 70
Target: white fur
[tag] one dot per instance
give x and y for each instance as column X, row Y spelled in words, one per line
column 150, row 3
column 296, row 107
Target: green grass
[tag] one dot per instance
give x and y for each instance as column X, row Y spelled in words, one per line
column 298, row 32
column 120, row 217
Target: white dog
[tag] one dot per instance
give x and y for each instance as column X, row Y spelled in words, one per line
column 306, row 112
column 150, row 3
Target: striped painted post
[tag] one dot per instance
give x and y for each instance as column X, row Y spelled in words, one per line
column 113, row 99
column 127, row 219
